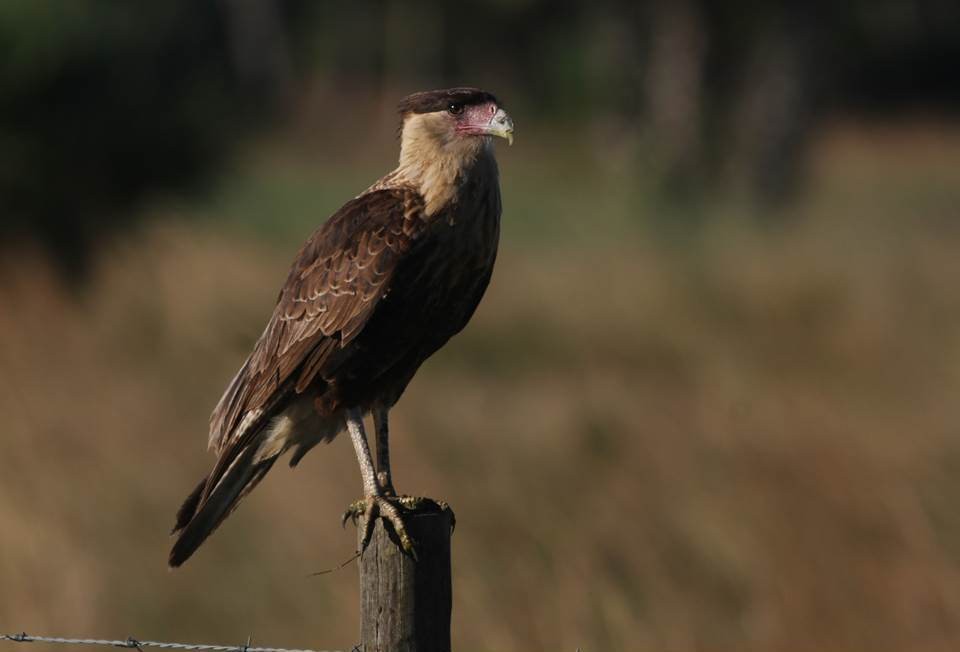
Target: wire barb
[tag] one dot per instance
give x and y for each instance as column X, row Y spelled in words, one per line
column 136, row 644
column 355, row 555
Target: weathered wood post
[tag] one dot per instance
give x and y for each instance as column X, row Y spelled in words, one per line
column 405, row 603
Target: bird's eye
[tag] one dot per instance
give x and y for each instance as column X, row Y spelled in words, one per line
column 455, row 108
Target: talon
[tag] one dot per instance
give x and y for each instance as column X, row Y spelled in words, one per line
column 372, row 509
column 410, row 503
column 391, row 509
column 453, row 517
column 365, row 512
column 392, row 515
column 354, row 511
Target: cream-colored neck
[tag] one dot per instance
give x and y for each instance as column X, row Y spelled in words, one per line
column 432, row 158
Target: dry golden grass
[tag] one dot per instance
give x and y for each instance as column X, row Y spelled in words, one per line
column 748, row 443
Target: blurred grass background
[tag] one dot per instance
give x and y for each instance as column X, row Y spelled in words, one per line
column 709, row 401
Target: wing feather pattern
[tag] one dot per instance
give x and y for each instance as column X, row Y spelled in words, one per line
column 332, row 290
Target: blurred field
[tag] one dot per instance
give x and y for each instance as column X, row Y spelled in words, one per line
column 740, row 439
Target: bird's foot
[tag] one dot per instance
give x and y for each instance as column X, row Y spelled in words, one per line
column 364, row 513
column 392, row 509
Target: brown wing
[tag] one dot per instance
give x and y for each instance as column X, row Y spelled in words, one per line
column 332, row 289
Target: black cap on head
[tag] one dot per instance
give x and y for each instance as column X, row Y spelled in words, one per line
column 430, row 101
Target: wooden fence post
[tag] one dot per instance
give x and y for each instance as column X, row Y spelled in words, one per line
column 405, row 604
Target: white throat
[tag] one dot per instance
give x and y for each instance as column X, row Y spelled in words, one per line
column 433, row 160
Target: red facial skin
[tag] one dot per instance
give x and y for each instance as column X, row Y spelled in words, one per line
column 475, row 119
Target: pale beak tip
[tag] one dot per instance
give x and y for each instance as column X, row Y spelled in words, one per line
column 502, row 125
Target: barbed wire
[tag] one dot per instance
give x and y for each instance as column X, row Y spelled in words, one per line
column 136, row 644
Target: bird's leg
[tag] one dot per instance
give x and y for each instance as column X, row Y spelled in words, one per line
column 383, row 450
column 359, row 438
column 375, row 502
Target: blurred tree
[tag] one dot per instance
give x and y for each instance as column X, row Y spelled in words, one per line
column 674, row 92
column 769, row 86
column 104, row 102
column 733, row 91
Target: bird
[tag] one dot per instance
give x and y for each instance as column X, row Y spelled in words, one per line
column 377, row 289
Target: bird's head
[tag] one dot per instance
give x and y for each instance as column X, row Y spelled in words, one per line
column 455, row 116
column 443, row 133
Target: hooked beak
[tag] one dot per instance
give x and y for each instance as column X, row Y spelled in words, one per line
column 500, row 125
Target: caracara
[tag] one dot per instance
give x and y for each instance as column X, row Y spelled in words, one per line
column 375, row 291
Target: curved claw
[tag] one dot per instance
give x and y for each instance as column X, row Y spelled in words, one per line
column 370, row 511
column 354, row 511
column 364, row 513
column 391, row 514
column 392, row 509
column 445, row 506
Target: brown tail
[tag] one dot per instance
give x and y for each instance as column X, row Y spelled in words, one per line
column 198, row 518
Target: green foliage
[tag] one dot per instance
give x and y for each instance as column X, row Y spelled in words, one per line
column 104, row 102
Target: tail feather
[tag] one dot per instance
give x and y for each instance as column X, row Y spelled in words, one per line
column 189, row 506
column 197, row 518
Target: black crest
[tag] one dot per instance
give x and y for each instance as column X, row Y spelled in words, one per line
column 430, row 101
